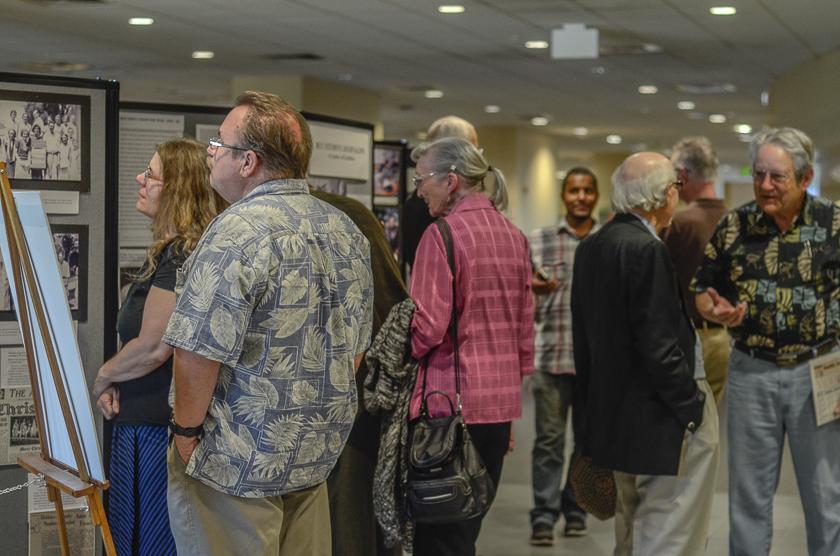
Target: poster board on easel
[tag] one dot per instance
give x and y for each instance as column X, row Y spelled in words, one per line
column 69, row 458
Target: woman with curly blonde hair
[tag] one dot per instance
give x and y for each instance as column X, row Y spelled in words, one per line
column 132, row 388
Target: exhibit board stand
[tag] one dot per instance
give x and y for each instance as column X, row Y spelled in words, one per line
column 390, row 167
column 68, row 154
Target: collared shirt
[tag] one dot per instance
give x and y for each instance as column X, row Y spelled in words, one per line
column 553, row 251
column 789, row 280
column 496, row 312
column 279, row 291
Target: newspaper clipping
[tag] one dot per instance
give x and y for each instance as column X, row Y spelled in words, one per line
column 825, row 383
column 18, row 428
column 43, row 533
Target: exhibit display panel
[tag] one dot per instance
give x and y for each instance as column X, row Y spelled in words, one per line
column 76, row 178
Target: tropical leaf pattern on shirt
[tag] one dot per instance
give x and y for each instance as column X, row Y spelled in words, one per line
column 277, row 287
column 789, row 279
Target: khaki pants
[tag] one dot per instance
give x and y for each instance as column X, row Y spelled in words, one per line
column 205, row 521
column 716, row 350
column 661, row 515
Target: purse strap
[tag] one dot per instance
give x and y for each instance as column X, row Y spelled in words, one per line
column 446, row 235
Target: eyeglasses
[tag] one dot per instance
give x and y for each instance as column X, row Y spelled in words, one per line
column 216, row 143
column 147, row 175
column 678, row 185
column 418, row 179
column 776, row 178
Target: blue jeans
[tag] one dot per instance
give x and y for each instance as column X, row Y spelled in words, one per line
column 552, row 404
column 764, row 404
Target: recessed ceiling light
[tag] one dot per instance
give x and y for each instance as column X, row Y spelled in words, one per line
column 717, row 118
column 536, row 44
column 434, row 93
column 648, row 89
column 580, row 131
column 140, row 21
column 685, row 105
column 651, row 48
column 599, row 70
column 723, row 10
column 614, row 139
column 539, row 121
column 203, row 54
column 742, row 128
column 451, row 9
column 492, row 109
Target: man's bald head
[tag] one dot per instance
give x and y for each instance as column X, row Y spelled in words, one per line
column 275, row 129
column 452, row 126
column 641, row 182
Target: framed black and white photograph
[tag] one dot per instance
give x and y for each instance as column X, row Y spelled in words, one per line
column 45, row 140
column 71, row 250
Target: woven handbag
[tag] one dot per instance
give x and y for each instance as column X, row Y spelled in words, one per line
column 593, row 486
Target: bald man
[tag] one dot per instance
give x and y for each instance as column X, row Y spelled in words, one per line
column 648, row 413
column 416, row 216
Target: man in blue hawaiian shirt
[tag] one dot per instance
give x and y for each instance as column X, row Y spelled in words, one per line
column 272, row 317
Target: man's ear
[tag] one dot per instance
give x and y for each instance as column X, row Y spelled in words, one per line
column 250, row 164
column 806, row 178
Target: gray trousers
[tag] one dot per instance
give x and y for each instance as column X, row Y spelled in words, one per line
column 662, row 515
column 765, row 403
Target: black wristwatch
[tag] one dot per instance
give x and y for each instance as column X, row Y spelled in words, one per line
column 189, row 432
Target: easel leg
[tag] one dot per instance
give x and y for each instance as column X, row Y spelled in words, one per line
column 97, row 513
column 55, row 495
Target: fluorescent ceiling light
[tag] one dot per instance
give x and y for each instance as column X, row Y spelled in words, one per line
column 717, row 118
column 648, row 89
column 614, row 139
column 536, row 44
column 685, row 105
column 492, row 109
column 433, row 93
column 451, row 9
column 742, row 128
column 140, row 21
column 203, row 54
column 723, row 10
column 539, row 121
column 580, row 131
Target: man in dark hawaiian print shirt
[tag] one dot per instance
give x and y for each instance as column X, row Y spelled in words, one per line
column 771, row 273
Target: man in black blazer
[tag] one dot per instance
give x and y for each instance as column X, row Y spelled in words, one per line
column 647, row 411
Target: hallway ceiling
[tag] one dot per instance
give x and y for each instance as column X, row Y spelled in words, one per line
column 403, row 47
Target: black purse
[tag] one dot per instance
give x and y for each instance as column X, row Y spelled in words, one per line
column 447, row 480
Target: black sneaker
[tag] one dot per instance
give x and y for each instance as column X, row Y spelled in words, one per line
column 542, row 534
column 575, row 527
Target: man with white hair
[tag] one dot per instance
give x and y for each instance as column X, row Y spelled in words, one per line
column 696, row 164
column 648, row 413
column 771, row 273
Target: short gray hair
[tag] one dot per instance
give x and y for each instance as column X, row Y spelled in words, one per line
column 452, row 126
column 646, row 192
column 793, row 141
column 698, row 156
column 453, row 154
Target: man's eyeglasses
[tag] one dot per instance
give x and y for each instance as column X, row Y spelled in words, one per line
column 776, row 178
column 148, row 175
column 216, row 143
column 678, row 185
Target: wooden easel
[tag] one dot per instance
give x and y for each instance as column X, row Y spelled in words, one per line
column 59, row 477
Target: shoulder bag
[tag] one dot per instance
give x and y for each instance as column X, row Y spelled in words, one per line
column 447, row 480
